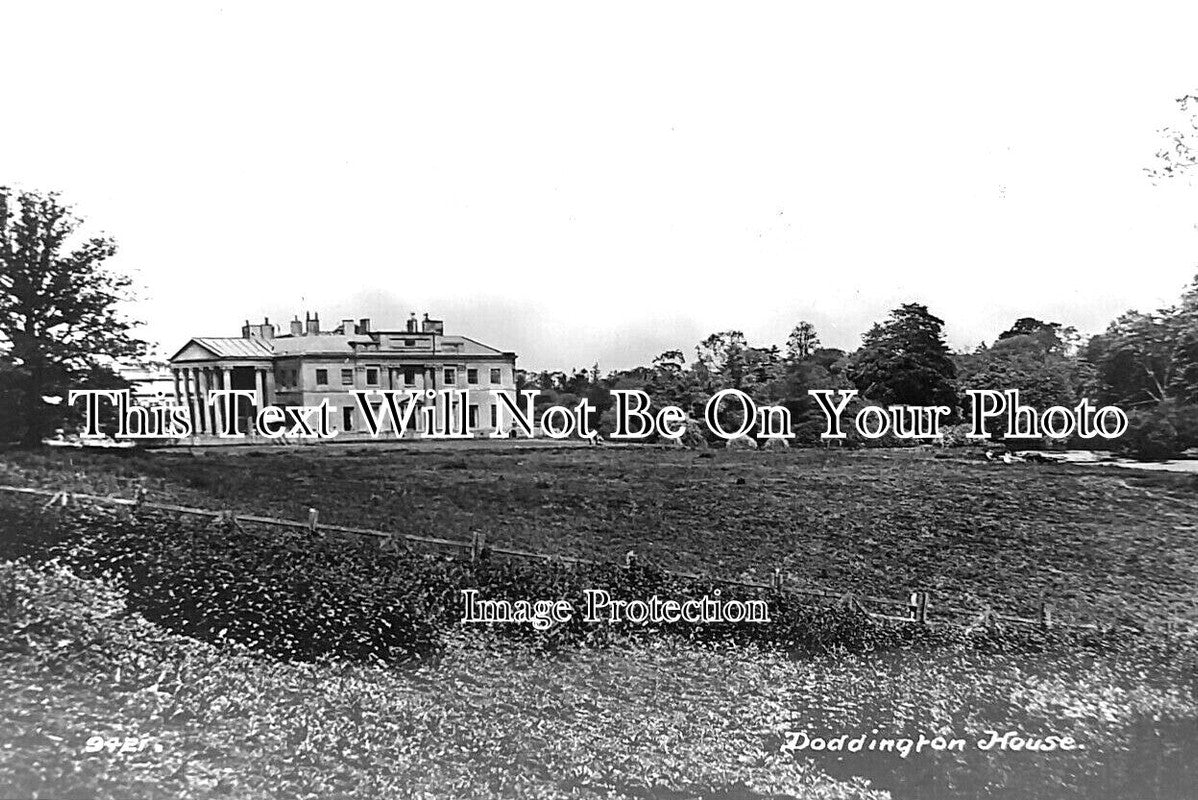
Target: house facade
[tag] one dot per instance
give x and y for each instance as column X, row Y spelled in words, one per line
column 307, row 365
column 150, row 383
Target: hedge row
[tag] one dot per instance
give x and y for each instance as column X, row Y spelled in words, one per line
column 302, row 596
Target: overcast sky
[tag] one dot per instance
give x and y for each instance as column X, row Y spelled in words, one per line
column 605, row 182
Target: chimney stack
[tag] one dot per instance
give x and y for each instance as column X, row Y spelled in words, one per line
column 432, row 325
column 263, row 331
column 347, row 327
column 413, row 325
column 297, row 327
column 313, row 324
column 364, row 325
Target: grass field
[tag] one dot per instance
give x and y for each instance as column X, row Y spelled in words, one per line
column 645, row 721
column 650, row 719
column 1097, row 542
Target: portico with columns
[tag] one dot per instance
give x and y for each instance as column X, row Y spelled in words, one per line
column 206, row 365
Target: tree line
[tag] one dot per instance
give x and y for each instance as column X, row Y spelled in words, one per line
column 60, row 328
column 1145, row 363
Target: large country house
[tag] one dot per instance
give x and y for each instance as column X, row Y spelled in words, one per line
column 307, row 365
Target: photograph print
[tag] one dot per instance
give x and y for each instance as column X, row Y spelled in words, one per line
column 658, row 401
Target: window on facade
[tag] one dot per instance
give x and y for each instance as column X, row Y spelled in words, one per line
column 372, row 376
column 451, row 376
column 472, row 415
column 347, row 418
column 409, row 342
column 472, row 376
column 495, row 376
column 494, row 416
column 322, row 377
column 347, row 377
column 409, row 376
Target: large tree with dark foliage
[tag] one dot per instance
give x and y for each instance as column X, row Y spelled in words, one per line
column 1133, row 359
column 905, row 360
column 59, row 324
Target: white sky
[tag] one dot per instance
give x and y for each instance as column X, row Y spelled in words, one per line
column 604, row 182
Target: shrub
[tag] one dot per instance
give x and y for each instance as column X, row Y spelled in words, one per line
column 292, row 595
column 1151, row 436
column 300, row 596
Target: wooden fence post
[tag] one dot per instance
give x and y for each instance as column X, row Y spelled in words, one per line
column 313, row 518
column 139, row 499
column 849, row 600
column 917, row 607
column 778, row 578
column 478, row 543
column 1045, row 615
column 630, row 559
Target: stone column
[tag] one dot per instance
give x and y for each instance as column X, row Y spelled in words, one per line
column 187, row 396
column 269, row 398
column 214, row 410
column 198, row 398
column 218, row 420
column 430, row 383
column 259, row 388
column 202, row 391
column 226, row 382
column 259, row 396
column 175, row 375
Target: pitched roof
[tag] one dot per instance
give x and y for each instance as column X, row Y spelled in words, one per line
column 467, row 346
column 230, row 347
column 325, row 344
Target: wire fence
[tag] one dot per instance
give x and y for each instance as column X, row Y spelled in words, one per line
column 917, row 608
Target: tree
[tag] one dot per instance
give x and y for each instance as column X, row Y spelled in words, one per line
column 668, row 382
column 1133, row 360
column 58, row 317
column 1151, row 435
column 671, row 362
column 1180, row 155
column 1028, row 357
column 1052, row 337
column 722, row 360
column 802, row 342
column 905, row 361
